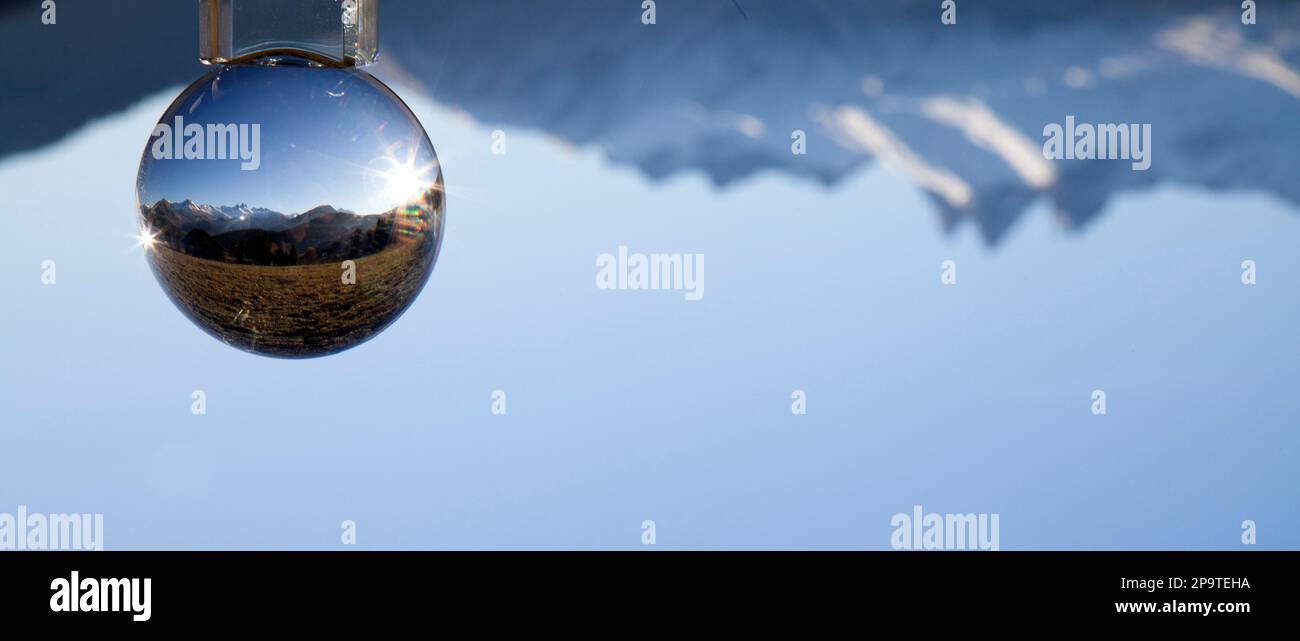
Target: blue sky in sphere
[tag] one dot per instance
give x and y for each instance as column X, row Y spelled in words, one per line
column 632, row 405
column 326, row 137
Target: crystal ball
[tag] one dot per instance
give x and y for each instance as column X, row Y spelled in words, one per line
column 290, row 210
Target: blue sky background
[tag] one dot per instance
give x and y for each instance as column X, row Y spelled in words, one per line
column 625, row 406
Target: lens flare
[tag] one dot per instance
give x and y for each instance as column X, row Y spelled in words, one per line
column 146, row 238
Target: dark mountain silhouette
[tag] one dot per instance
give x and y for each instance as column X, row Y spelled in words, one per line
column 707, row 89
column 200, row 244
column 958, row 110
column 264, row 237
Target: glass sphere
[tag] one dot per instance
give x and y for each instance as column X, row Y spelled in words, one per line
column 290, row 209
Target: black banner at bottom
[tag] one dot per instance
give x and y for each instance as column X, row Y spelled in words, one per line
column 196, row 590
